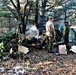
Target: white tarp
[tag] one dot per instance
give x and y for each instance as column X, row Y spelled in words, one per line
column 32, row 32
column 73, row 48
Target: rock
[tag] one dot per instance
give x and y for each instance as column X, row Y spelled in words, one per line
column 19, row 70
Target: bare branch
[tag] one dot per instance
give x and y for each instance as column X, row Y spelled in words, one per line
column 25, row 8
column 18, row 4
column 10, row 9
column 12, row 12
column 13, row 4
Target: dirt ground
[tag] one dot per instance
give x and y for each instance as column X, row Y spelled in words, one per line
column 40, row 62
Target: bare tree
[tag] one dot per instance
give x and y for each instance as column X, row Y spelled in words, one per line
column 20, row 10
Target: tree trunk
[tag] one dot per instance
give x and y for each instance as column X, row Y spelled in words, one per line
column 36, row 14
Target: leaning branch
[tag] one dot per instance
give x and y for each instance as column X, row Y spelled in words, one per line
column 13, row 4
column 10, row 9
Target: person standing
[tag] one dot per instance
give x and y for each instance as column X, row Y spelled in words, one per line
column 66, row 33
column 50, row 33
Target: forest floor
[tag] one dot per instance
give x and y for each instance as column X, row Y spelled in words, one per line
column 40, row 62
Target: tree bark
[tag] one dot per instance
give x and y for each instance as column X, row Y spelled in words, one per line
column 36, row 14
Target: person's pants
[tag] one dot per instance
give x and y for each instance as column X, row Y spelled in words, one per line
column 49, row 44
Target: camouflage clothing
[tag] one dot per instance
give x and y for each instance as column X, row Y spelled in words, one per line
column 50, row 32
column 66, row 34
